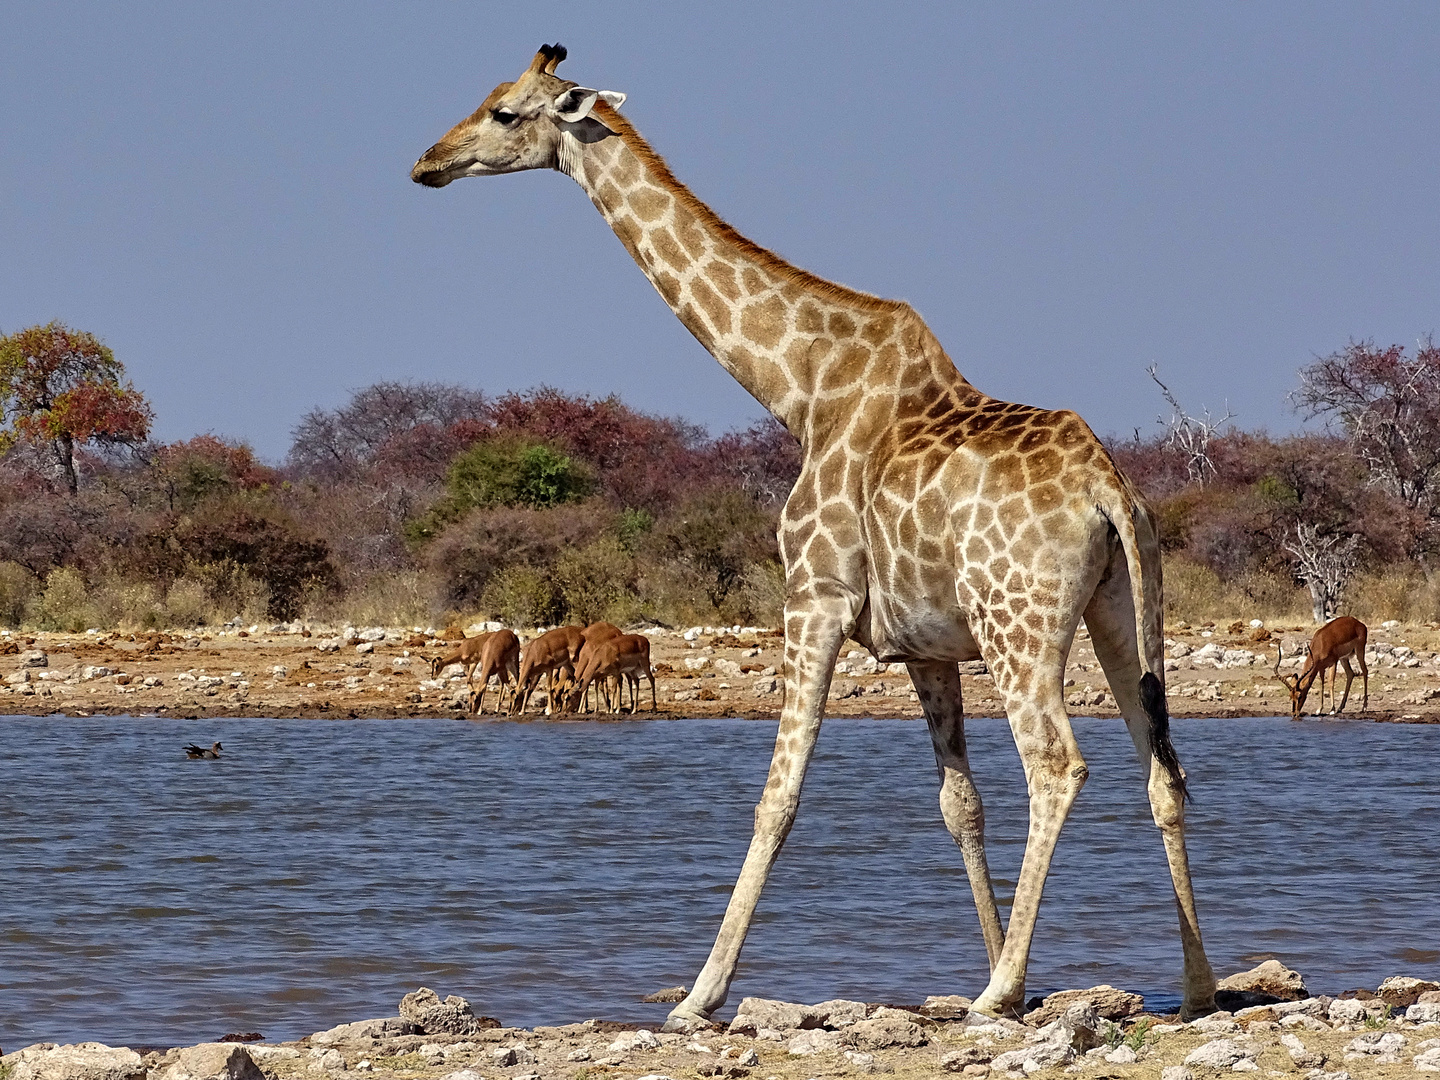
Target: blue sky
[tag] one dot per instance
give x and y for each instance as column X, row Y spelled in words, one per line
column 1067, row 192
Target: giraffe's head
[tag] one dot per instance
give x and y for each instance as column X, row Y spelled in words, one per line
column 519, row 126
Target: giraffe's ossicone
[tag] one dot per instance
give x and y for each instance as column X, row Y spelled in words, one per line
column 931, row 523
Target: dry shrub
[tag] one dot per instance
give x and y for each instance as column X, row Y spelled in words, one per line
column 399, row 598
column 65, row 603
column 1406, row 595
column 18, row 589
column 762, row 594
column 598, row 582
column 230, row 590
column 187, row 605
column 1195, row 593
column 128, row 604
column 523, row 596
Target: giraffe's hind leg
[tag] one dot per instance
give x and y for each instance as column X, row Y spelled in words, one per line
column 938, row 685
column 1110, row 617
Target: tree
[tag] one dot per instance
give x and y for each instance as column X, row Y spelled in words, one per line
column 62, row 388
column 1388, row 405
column 1325, row 564
column 1190, row 435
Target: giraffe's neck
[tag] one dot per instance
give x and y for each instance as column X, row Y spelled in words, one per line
column 782, row 332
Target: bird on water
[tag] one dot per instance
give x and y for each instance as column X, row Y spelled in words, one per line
column 193, row 751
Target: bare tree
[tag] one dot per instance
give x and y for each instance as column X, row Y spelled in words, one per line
column 1190, row 435
column 1388, row 405
column 1325, row 564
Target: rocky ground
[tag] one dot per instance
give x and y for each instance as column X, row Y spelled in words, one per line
column 1275, row 1028
column 291, row 670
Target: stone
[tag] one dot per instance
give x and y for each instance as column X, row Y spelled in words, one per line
column 1303, row 1056
column 1079, row 1025
column 635, row 1040
column 1424, row 1012
column 1266, row 982
column 1427, row 1060
column 1375, row 1044
column 1110, row 1003
column 750, row 1059
column 1176, row 1072
column 946, row 1006
column 956, row 1060
column 1217, row 1023
column 1303, row 1020
column 213, row 1061
column 881, row 1031
column 816, row 1041
column 273, row 1053
column 432, row 1016
column 1428, row 997
column 1122, row 1055
column 855, row 1057
column 321, row 1058
column 755, row 1013
column 1046, row 1055
column 1315, row 1006
column 1218, row 1054
column 459, row 1074
column 37, row 658
column 77, row 1061
column 840, row 1012
column 1347, row 1011
column 669, row 995
column 385, row 1027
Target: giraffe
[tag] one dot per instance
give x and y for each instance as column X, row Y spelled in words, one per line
column 930, row 523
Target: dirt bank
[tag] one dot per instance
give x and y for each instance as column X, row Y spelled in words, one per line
column 339, row 672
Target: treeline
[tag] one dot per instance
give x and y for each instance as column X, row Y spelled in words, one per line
column 424, row 503
column 412, row 503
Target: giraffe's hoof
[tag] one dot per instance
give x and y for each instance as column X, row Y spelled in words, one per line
column 686, row 1021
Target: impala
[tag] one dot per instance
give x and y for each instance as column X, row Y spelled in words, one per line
column 1334, row 643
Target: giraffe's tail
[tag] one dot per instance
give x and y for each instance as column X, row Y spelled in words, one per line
column 1135, row 526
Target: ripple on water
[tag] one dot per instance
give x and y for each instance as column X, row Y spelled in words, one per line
column 322, row 870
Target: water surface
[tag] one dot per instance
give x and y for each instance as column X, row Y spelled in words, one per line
column 552, row 872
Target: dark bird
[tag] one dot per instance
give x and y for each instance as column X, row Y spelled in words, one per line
column 193, row 751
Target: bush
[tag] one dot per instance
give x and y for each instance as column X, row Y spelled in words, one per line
column 65, row 603
column 1408, row 596
column 597, row 582
column 718, row 535
column 254, row 559
column 186, row 604
column 523, row 595
column 18, row 589
column 401, row 598
column 128, row 604
column 1196, row 593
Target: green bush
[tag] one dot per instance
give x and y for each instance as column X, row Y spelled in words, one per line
column 504, row 471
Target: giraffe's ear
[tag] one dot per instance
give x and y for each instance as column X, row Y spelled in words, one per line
column 575, row 104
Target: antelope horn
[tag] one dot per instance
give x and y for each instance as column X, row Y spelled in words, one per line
column 1280, row 655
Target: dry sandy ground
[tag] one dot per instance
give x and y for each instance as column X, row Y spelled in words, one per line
column 290, row 671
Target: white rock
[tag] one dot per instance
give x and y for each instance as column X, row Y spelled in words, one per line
column 816, row 1041
column 77, row 1061
column 1218, row 1054
column 1348, row 1011
column 1424, row 1012
column 1122, row 1055
column 855, row 1057
column 1376, row 1044
column 261, row 1052
column 1176, row 1072
column 1427, row 1060
column 750, row 1059
column 635, row 1040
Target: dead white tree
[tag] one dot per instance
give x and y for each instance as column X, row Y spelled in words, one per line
column 1325, row 564
column 1190, row 435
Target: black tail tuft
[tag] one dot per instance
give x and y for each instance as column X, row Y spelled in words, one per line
column 1152, row 700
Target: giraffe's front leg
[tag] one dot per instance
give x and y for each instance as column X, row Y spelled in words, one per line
column 816, row 625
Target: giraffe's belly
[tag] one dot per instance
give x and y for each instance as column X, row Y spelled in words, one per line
column 918, row 629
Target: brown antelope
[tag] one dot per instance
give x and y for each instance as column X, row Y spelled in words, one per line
column 500, row 656
column 1334, row 643
column 626, row 656
column 466, row 653
column 595, row 633
column 552, row 654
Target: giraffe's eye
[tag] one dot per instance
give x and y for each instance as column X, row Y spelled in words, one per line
column 505, row 116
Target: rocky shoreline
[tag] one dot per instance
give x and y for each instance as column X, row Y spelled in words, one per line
column 1269, row 1023
column 301, row 670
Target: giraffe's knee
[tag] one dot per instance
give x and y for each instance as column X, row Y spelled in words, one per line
column 1059, row 775
column 960, row 805
column 1167, row 805
column 775, row 815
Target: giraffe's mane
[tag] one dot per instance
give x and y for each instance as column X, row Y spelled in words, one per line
column 788, row 271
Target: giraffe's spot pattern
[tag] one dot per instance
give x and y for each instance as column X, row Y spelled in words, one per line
column 666, row 247
column 712, row 304
column 763, row 322
column 649, row 205
column 722, row 276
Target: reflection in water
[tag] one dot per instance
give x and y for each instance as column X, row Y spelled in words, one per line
column 552, row 872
